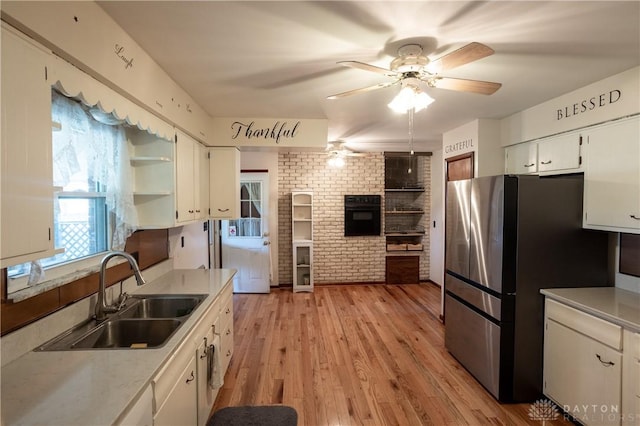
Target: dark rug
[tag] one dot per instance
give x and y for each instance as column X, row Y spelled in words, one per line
column 263, row 415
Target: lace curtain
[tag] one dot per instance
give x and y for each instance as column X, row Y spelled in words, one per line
column 100, row 150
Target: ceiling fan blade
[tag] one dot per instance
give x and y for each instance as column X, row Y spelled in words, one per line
column 362, row 90
column 462, row 85
column 368, row 67
column 469, row 53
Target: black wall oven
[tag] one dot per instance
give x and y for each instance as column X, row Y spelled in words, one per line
column 361, row 215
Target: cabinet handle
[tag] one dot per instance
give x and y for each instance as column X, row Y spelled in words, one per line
column 228, row 352
column 223, row 210
column 191, row 378
column 228, row 332
column 197, row 211
column 545, row 162
column 530, row 165
column 633, row 216
column 190, row 211
column 227, row 311
column 605, row 363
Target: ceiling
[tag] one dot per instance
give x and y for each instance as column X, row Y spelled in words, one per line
column 267, row 59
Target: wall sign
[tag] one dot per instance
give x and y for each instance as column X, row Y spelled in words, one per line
column 270, row 132
column 277, row 131
column 464, row 145
column 586, row 105
column 119, row 51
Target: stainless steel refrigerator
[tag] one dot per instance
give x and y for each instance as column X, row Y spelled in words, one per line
column 506, row 238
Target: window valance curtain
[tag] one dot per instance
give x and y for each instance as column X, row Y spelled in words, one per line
column 74, row 83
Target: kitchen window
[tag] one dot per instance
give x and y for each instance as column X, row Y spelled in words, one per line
column 93, row 207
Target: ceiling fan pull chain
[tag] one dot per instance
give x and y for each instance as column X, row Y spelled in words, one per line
column 411, row 111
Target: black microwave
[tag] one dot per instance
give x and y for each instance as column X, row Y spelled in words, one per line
column 362, row 215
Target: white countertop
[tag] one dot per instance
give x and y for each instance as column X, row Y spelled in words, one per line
column 613, row 304
column 94, row 387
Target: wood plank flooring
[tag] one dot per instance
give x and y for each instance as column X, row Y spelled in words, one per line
column 356, row 355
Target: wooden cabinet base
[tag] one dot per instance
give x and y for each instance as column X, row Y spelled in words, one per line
column 403, row 269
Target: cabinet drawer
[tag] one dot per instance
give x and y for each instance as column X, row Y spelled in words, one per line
column 226, row 346
column 600, row 330
column 226, row 309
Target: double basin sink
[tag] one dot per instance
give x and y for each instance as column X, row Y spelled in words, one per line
column 145, row 322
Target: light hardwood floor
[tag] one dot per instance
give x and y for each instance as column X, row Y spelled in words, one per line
column 356, row 355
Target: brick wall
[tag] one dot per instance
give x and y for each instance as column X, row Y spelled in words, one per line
column 337, row 259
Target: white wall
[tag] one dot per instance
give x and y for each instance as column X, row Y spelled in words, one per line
column 437, row 216
column 189, row 246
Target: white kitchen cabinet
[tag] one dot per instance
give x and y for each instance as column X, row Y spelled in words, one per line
column 141, row 414
column 202, row 198
column 153, row 170
column 225, row 327
column 224, row 183
column 521, row 158
column 559, row 153
column 190, row 164
column 26, row 169
column 206, row 393
column 612, row 176
column 175, row 390
column 631, row 379
column 552, row 155
column 582, row 364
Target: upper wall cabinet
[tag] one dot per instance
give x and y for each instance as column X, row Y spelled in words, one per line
column 521, row 158
column 224, row 183
column 612, row 176
column 552, row 155
column 192, row 189
column 26, row 175
column 559, row 153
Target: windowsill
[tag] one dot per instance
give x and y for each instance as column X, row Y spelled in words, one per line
column 60, row 276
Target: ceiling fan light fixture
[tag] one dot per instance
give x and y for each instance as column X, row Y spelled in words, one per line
column 336, row 161
column 410, row 97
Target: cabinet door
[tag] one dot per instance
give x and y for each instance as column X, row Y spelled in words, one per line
column 179, row 408
column 521, row 158
column 224, row 183
column 612, row 177
column 26, row 195
column 559, row 153
column 202, row 182
column 206, row 394
column 581, row 373
column 185, row 194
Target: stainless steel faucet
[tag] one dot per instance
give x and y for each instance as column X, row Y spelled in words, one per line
column 102, row 308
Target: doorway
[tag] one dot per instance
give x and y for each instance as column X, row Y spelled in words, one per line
column 245, row 244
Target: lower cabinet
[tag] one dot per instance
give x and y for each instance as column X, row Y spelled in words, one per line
column 583, row 365
column 179, row 405
column 141, row 414
column 186, row 387
column 631, row 379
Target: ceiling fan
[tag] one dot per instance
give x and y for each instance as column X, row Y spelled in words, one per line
column 339, row 148
column 337, row 151
column 412, row 66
